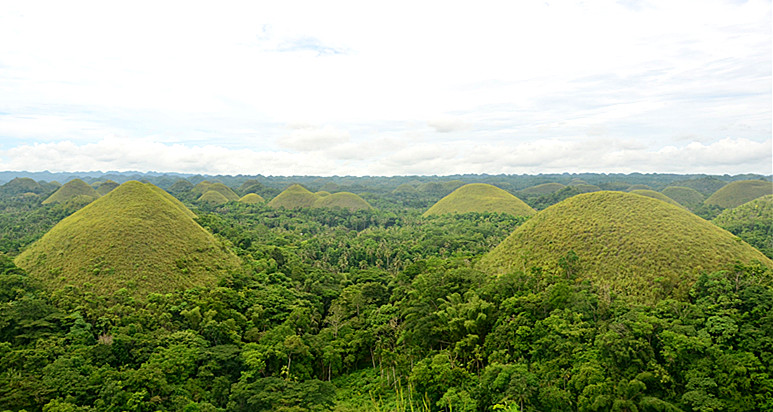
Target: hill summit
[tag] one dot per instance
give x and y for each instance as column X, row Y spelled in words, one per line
column 480, row 197
column 739, row 192
column 625, row 242
column 137, row 237
column 76, row 190
column 343, row 200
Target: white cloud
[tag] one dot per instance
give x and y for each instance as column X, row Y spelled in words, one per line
column 307, row 138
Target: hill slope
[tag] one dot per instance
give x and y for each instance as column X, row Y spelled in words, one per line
column 206, row 186
column 252, row 198
column 295, row 196
column 75, row 188
column 138, row 237
column 737, row 193
column 543, row 189
column 655, row 195
column 632, row 244
column 343, row 200
column 685, row 196
column 752, row 222
column 213, row 197
column 480, row 197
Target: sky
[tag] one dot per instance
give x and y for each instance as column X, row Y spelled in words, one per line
column 387, row 88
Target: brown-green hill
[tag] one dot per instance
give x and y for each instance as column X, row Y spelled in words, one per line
column 405, row 189
column 656, row 195
column 704, row 185
column 343, row 200
column 136, row 237
column 322, row 193
column 752, row 222
column 21, row 185
column 70, row 190
column 252, row 198
column 685, row 196
column 584, row 187
column 206, row 186
column 631, row 244
column 294, row 197
column 739, row 192
column 105, row 187
column 638, row 187
column 543, row 189
column 213, row 197
column 480, row 197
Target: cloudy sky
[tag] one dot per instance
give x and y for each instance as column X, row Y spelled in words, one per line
column 387, row 88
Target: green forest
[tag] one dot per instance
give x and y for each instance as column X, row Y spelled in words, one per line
column 187, row 293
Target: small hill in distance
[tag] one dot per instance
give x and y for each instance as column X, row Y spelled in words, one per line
column 480, row 197
column 405, row 189
column 685, row 196
column 213, row 198
column 105, row 187
column 752, row 222
column 342, row 200
column 206, row 186
column 655, row 195
column 627, row 243
column 252, row 198
column 739, row 192
column 584, row 187
column 20, row 185
column 704, row 185
column 638, row 187
column 136, row 237
column 74, row 190
column 294, row 197
column 543, row 189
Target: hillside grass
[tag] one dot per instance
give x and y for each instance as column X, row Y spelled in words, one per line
column 294, row 197
column 480, row 197
column 71, row 190
column 136, row 237
column 343, row 200
column 737, row 193
column 206, row 186
column 685, row 196
column 655, row 195
column 105, row 187
column 623, row 242
column 252, row 198
column 213, row 197
column 752, row 222
column 543, row 189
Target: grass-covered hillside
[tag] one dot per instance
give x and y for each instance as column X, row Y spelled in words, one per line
column 136, row 237
column 206, row 186
column 737, row 193
column 480, row 197
column 252, row 198
column 343, row 200
column 629, row 243
column 294, row 197
column 71, row 190
column 685, row 196
column 213, row 197
column 105, row 187
column 543, row 189
column 752, row 222
column 655, row 195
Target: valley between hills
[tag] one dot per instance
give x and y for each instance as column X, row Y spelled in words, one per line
column 566, row 292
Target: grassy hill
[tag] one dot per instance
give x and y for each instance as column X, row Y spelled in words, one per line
column 405, row 189
column 343, row 200
column 136, row 237
column 752, row 222
column 206, row 186
column 252, row 198
column 629, row 243
column 685, row 196
column 704, row 185
column 70, row 190
column 656, row 195
column 21, row 185
column 638, row 187
column 543, row 189
column 294, row 197
column 584, row 187
column 105, row 187
column 737, row 193
column 480, row 197
column 213, row 197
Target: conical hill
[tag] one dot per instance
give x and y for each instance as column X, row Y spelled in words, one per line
column 655, row 195
column 343, row 200
column 106, row 186
column 752, row 222
column 206, row 186
column 70, row 190
column 137, row 237
column 294, row 197
column 252, row 198
column 543, row 189
column 213, row 197
column 739, row 192
column 685, row 196
column 480, row 197
column 632, row 244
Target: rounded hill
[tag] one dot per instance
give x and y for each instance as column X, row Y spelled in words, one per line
column 75, row 188
column 213, row 197
column 752, row 222
column 631, row 244
column 655, row 195
column 294, row 197
column 543, row 189
column 739, row 192
column 685, row 196
column 137, row 237
column 105, row 187
column 206, row 186
column 252, row 198
column 480, row 197
column 343, row 200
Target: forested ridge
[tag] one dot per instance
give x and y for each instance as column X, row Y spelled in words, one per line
column 381, row 310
